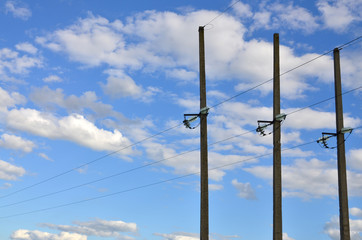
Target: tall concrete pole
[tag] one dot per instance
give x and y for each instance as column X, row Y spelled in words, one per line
column 204, row 208
column 341, row 156
column 277, row 165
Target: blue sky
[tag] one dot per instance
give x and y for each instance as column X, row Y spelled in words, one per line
column 92, row 101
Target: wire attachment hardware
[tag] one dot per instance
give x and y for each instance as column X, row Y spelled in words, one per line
column 262, row 125
column 194, row 116
column 325, row 136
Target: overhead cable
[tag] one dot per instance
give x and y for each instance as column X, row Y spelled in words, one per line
column 148, row 185
column 90, row 162
column 345, row 45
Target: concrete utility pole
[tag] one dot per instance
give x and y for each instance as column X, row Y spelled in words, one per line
column 277, row 165
column 341, row 158
column 204, row 208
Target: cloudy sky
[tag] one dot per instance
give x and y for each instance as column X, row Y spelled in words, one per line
column 92, row 99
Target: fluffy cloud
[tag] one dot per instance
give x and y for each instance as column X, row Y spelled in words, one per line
column 278, row 15
column 190, row 163
column 310, row 179
column 49, row 99
column 178, row 236
column 10, row 172
column 331, row 228
column 12, row 62
column 355, row 158
column 193, row 236
column 44, row 156
column 122, row 86
column 16, row 143
column 26, row 47
column 356, row 212
column 10, row 99
column 245, row 190
column 168, row 41
column 286, row 237
column 242, row 9
column 98, row 227
column 18, row 12
column 73, row 128
column 23, row 234
column 52, row 78
column 182, row 74
column 340, row 14
column 304, row 179
column 321, row 120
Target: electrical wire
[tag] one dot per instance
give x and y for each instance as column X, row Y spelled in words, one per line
column 165, row 159
column 150, row 184
column 120, row 173
column 159, row 133
column 322, row 101
column 354, row 41
column 222, row 13
column 345, row 45
column 90, row 162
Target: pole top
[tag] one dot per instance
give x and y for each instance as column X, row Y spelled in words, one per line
column 201, row 28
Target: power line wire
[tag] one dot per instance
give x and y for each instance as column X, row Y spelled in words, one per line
column 222, row 13
column 165, row 159
column 350, row 43
column 159, row 133
column 322, row 101
column 90, row 162
column 120, row 173
column 345, row 45
column 149, row 185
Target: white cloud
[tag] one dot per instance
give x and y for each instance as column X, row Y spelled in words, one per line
column 52, row 78
column 43, row 155
column 18, row 12
column 73, row 128
column 10, row 172
column 310, row 179
column 331, row 228
column 242, row 9
column 278, row 15
column 286, row 237
column 178, row 236
column 8, row 100
column 122, row 86
column 167, row 42
column 306, row 179
column 356, row 212
column 98, row 227
column 316, row 119
column 355, row 158
column 215, row 187
column 23, row 234
column 5, row 185
column 16, row 143
column 48, row 98
column 182, row 74
column 26, row 47
column 11, row 61
column 295, row 17
column 190, row 163
column 340, row 14
column 245, row 190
